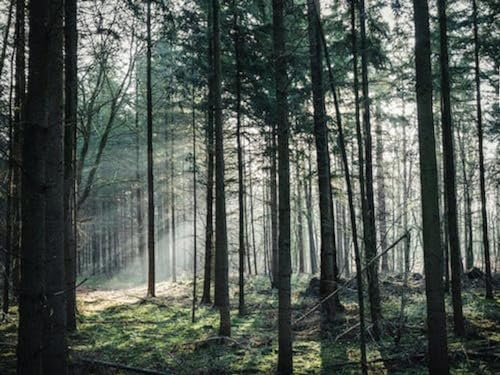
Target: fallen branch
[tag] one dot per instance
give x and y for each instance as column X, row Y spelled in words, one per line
column 349, row 281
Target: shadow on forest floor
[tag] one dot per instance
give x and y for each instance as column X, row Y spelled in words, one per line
column 122, row 327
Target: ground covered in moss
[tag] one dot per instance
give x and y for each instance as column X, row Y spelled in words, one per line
column 119, row 326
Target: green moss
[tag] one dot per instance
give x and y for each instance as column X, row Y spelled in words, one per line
column 121, row 326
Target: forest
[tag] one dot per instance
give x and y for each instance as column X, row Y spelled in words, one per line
column 249, row 187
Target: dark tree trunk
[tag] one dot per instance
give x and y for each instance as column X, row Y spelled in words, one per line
column 19, row 118
column 433, row 256
column 54, row 355
column 206, row 298
column 252, row 222
column 370, row 236
column 482, row 186
column 241, row 191
column 327, row 277
column 151, row 204
column 285, row 363
column 221, row 252
column 449, row 174
column 71, row 103
column 350, row 194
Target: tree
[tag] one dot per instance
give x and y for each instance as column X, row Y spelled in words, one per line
column 482, row 185
column 151, row 205
column 327, row 277
column 210, row 165
column 221, row 253
column 370, row 236
column 285, row 361
column 71, row 104
column 450, row 174
column 433, row 256
column 241, row 189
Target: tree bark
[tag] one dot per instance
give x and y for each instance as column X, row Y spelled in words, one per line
column 433, row 256
column 450, row 174
column 482, row 184
column 370, row 236
column 151, row 204
column 285, row 360
column 221, row 252
column 241, row 191
column 327, row 277
column 71, row 106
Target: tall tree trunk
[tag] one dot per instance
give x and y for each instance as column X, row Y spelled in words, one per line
column 252, row 222
column 19, row 118
column 71, row 103
column 370, row 229
column 300, row 213
column 350, row 195
column 482, row 186
column 310, row 218
column 381, row 214
column 54, row 356
column 285, row 361
column 433, row 256
column 449, row 174
column 327, row 277
column 195, row 204
column 206, row 299
column 274, row 211
column 151, row 204
column 138, row 185
column 221, row 252
column 241, row 192
column 172, row 204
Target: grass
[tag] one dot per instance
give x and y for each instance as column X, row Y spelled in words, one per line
column 121, row 326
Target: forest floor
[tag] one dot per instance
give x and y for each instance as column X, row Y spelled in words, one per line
column 119, row 326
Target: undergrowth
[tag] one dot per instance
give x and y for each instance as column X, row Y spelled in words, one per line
column 121, row 326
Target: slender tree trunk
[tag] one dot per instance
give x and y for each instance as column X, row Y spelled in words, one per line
column 350, row 196
column 172, row 204
column 285, row 360
column 309, row 208
column 274, row 212
column 206, row 299
column 221, row 252
column 71, row 103
column 138, row 182
column 370, row 230
column 241, row 192
column 327, row 277
column 252, row 222
column 19, row 118
column 449, row 174
column 433, row 256
column 381, row 214
column 195, row 206
column 151, row 204
column 300, row 213
column 482, row 186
